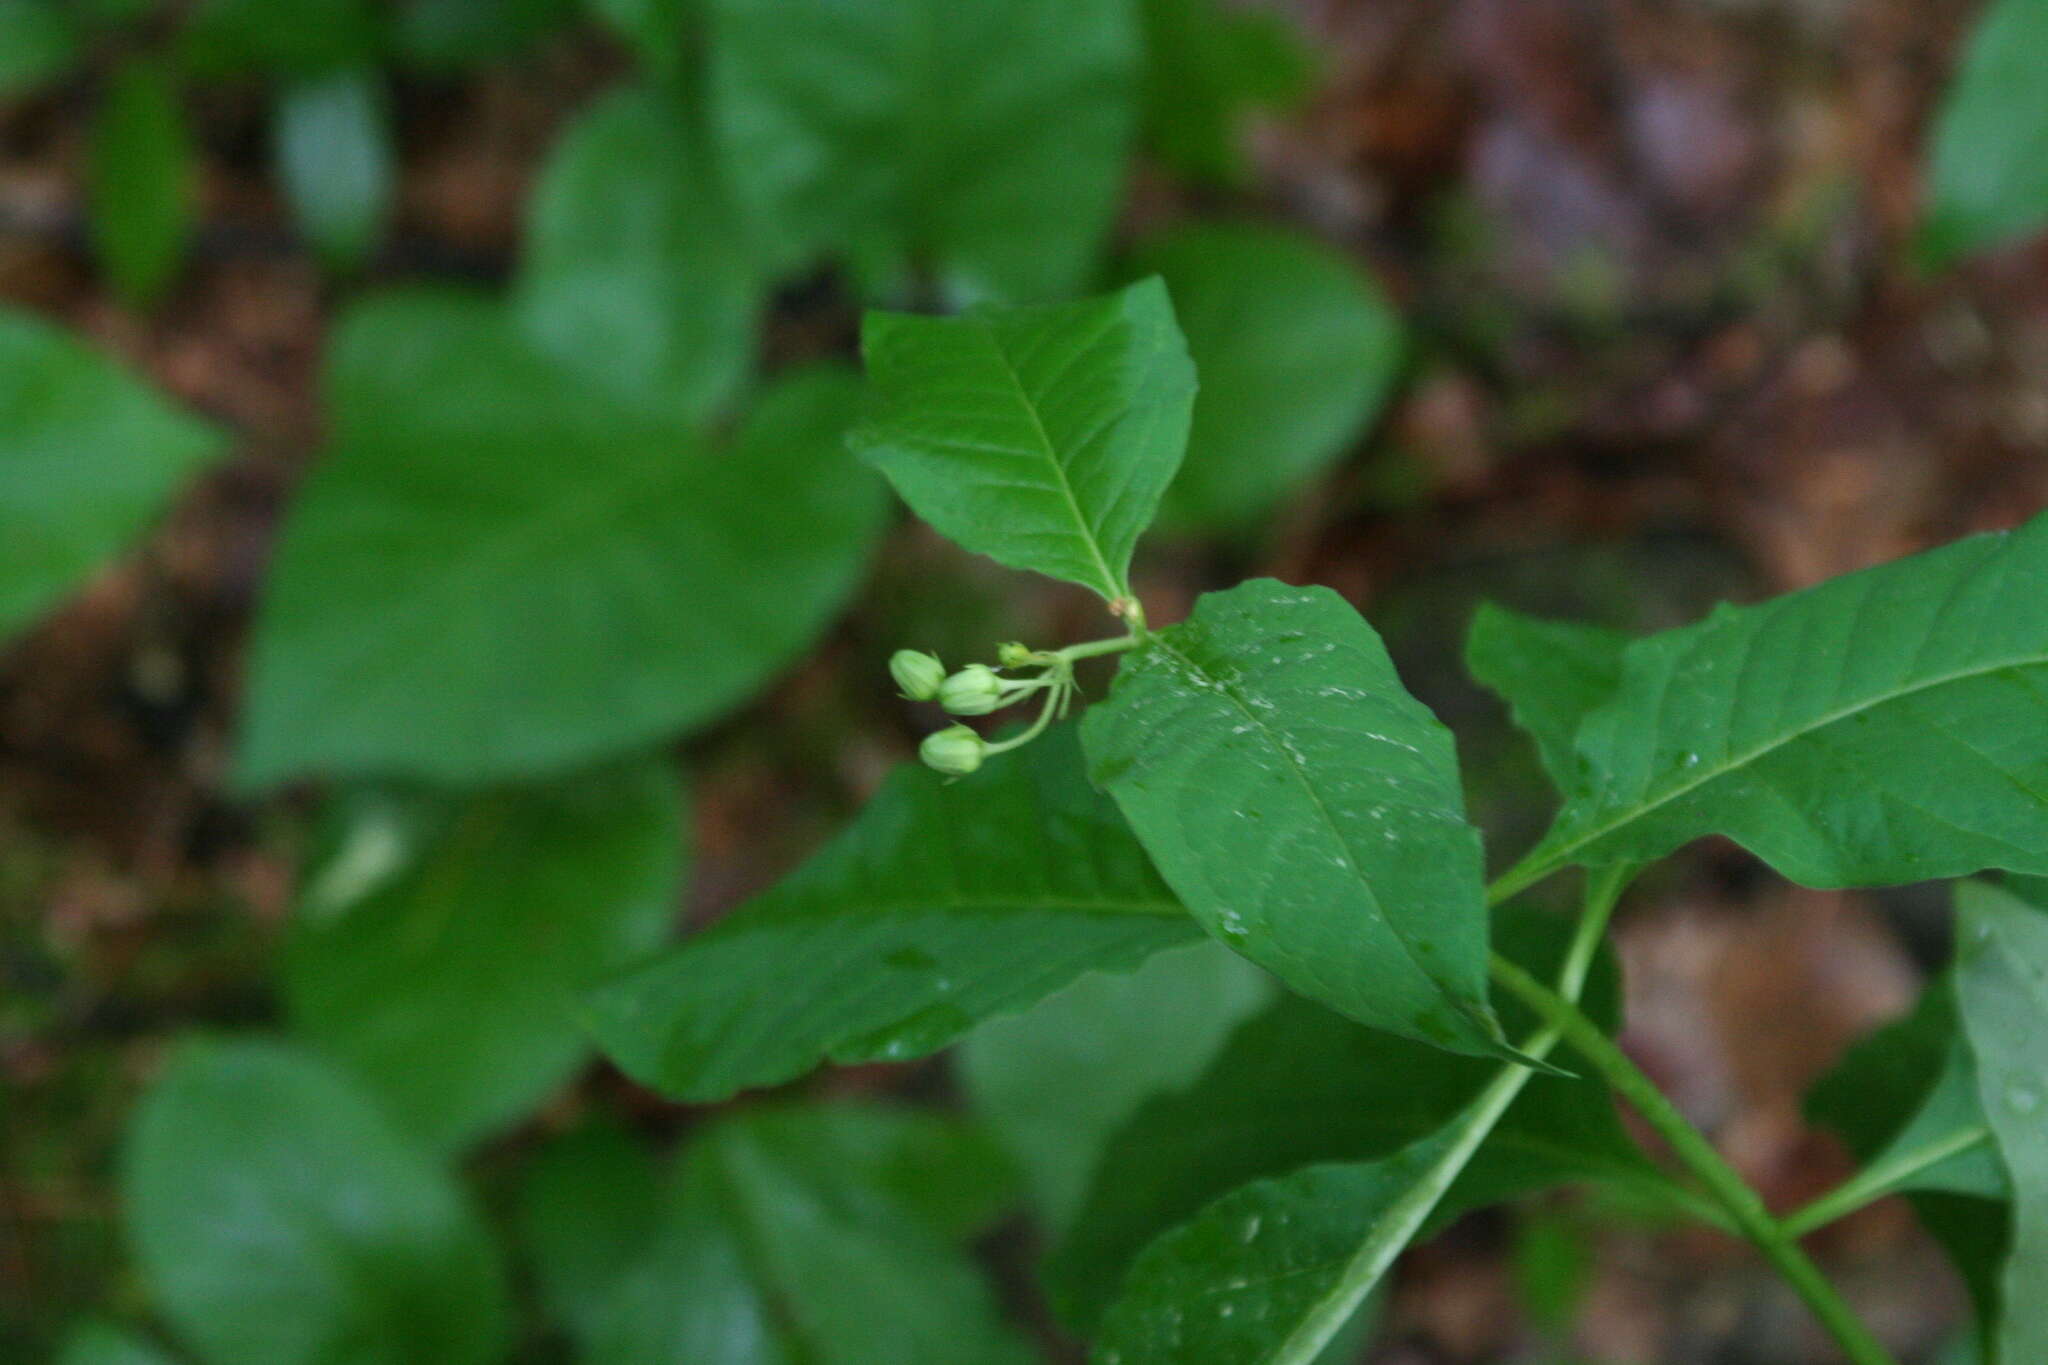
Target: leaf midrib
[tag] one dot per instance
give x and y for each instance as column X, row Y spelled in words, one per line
column 1112, row 587
column 1322, row 808
column 1561, row 855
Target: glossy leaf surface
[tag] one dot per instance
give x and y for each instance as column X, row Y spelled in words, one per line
column 1040, row 436
column 88, row 455
column 2002, row 996
column 1305, row 807
column 1298, row 1085
column 941, row 906
column 499, row 571
column 440, row 947
column 1879, row 728
column 280, row 1219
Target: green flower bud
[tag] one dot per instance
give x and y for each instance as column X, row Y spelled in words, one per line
column 1015, row 654
column 974, row 691
column 955, row 751
column 917, row 673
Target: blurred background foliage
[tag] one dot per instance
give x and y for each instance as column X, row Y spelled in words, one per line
column 430, row 577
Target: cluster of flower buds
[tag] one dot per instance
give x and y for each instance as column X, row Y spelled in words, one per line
column 978, row 690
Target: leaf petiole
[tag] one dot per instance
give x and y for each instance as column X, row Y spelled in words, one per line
column 1874, row 1182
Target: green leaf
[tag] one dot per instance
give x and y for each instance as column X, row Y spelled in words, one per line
column 449, row 35
column 1041, row 437
column 334, row 160
column 1552, row 675
column 281, row 1220
column 1909, row 1086
column 39, row 45
column 1298, row 1085
column 1988, row 182
column 288, row 38
column 656, row 29
column 2002, row 996
column 499, row 571
column 99, row 1343
column 1305, row 808
column 942, row 905
column 636, row 273
column 440, row 947
column 88, row 456
column 1058, row 1080
column 1207, row 64
column 1875, row 729
column 886, row 133
column 778, row 1242
column 1296, row 349
column 1251, row 1277
column 589, row 1207
column 140, row 182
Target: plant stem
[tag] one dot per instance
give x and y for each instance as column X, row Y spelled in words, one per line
column 1874, row 1182
column 1744, row 1205
column 1405, row 1217
column 1116, row 644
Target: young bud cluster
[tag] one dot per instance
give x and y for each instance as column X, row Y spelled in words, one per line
column 979, row 689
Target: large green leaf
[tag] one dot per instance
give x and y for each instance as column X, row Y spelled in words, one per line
column 39, row 44
column 1989, row 178
column 1911, row 1087
column 636, row 272
column 785, row 1236
column 1058, row 1080
column 944, row 904
column 982, row 142
column 98, row 1343
column 589, row 1205
column 1299, row 1085
column 140, row 179
column 87, row 456
column 281, row 1220
column 1305, row 807
column 1879, row 728
column 1206, row 65
column 1255, row 1277
column 1552, row 674
column 440, row 947
column 2002, row 996
column 1040, row 436
column 291, row 38
column 1296, row 350
column 1909, row 1084
column 336, row 164
column 500, row 571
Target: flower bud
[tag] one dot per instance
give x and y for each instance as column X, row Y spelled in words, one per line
column 917, row 673
column 1015, row 654
column 974, row 691
column 955, row 751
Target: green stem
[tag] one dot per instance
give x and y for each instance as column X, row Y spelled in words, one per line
column 1874, row 1182
column 1406, row 1215
column 1035, row 729
column 1744, row 1205
column 1094, row 648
